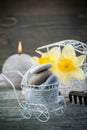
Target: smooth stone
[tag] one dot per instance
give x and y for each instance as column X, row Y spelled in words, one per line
column 39, row 68
column 39, row 78
column 53, row 79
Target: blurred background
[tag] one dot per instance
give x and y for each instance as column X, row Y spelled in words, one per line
column 39, row 22
column 36, row 23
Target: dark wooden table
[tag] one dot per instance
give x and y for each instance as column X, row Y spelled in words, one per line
column 37, row 23
column 75, row 117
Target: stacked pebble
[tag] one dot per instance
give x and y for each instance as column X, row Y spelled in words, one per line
column 41, row 75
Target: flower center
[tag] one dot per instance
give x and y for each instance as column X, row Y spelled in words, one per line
column 66, row 65
column 43, row 60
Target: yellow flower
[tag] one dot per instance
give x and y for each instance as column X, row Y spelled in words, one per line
column 51, row 56
column 65, row 63
column 69, row 65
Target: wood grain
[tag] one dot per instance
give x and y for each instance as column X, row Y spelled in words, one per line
column 37, row 23
column 75, row 117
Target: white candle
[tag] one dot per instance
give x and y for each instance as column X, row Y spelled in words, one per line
column 17, row 62
column 20, row 62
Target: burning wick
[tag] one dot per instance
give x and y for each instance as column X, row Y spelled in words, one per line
column 19, row 47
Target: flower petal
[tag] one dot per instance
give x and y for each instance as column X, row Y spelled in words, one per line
column 68, row 52
column 54, row 69
column 64, row 77
column 80, row 60
column 55, row 53
column 35, row 59
column 78, row 73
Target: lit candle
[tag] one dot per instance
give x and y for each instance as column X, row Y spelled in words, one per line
column 17, row 63
column 19, row 47
column 20, row 62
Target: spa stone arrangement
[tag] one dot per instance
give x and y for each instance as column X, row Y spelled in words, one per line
column 40, row 87
column 43, row 90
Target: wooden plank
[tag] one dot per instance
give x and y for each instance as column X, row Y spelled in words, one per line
column 75, row 117
column 37, row 23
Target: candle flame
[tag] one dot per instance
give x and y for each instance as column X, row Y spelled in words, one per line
column 19, row 47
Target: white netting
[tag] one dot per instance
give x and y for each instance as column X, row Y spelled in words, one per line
column 42, row 99
column 42, row 96
column 35, row 94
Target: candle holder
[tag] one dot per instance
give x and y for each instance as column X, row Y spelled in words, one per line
column 73, row 84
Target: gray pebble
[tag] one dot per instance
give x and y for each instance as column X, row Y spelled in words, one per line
column 51, row 80
column 40, row 68
column 39, row 78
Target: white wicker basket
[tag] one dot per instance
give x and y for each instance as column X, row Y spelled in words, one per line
column 41, row 100
column 39, row 103
column 36, row 94
column 44, row 96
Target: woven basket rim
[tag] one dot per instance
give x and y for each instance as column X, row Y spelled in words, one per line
column 55, row 85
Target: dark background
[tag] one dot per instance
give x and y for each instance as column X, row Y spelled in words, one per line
column 37, row 23
column 40, row 22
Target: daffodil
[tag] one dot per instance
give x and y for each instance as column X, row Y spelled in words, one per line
column 51, row 56
column 65, row 62
column 69, row 65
